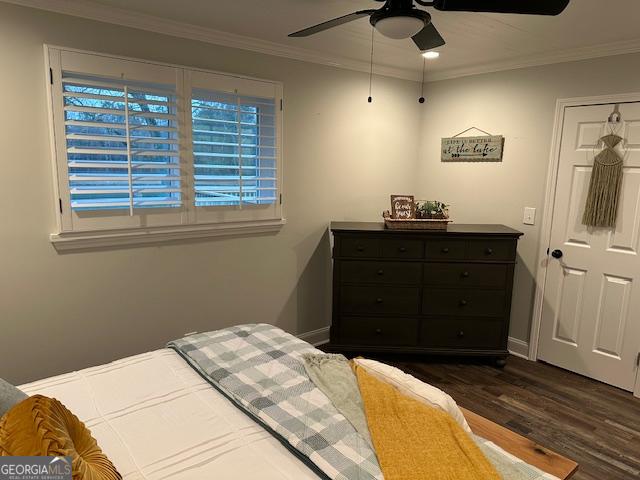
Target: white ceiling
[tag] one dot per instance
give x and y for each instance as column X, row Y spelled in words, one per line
column 475, row 42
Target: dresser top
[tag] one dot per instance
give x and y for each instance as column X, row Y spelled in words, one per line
column 455, row 228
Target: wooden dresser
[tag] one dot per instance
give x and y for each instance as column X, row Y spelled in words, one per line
column 436, row 292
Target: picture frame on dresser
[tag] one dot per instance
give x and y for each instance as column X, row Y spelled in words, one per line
column 437, row 292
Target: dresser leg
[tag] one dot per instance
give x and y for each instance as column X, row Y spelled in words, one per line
column 500, row 362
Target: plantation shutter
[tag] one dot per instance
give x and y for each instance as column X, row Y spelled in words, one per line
column 149, row 147
column 121, row 143
column 234, row 149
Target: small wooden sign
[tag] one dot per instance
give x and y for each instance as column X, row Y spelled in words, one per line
column 403, row 207
column 472, row 149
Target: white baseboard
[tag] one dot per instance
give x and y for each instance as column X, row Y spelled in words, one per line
column 518, row 347
column 315, row 337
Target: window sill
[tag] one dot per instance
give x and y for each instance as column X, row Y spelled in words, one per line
column 65, row 242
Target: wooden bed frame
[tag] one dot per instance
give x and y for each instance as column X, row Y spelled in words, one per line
column 521, row 447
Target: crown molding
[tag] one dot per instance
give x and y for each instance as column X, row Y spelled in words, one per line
column 540, row 59
column 127, row 18
column 94, row 11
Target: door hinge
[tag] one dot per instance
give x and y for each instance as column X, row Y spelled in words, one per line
column 281, row 104
column 280, row 199
column 60, row 204
column 51, row 75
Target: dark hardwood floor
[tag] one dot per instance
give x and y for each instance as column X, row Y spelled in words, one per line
column 594, row 424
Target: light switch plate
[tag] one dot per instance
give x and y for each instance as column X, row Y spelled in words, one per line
column 529, row 217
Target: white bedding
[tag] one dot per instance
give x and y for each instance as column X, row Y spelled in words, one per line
column 156, row 418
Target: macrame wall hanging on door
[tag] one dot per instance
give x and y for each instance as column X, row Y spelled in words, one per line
column 605, row 184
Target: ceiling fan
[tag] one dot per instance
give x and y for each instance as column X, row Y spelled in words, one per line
column 399, row 19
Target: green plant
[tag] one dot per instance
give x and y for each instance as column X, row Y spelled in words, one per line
column 432, row 209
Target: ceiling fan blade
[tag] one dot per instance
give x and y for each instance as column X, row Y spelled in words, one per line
column 428, row 38
column 332, row 23
column 532, row 7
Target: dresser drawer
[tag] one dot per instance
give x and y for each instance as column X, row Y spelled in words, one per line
column 363, row 271
column 491, row 250
column 445, row 249
column 359, row 247
column 465, row 274
column 381, row 300
column 379, row 331
column 401, row 248
column 462, row 333
column 463, row 302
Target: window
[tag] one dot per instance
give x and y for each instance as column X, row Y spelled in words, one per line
column 233, row 149
column 122, row 144
column 145, row 151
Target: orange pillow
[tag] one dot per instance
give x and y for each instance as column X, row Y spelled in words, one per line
column 40, row 425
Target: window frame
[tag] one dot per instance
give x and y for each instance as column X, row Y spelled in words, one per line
column 163, row 224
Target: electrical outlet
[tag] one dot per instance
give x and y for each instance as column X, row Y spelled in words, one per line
column 529, row 217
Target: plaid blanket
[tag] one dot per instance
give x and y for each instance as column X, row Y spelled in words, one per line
column 258, row 367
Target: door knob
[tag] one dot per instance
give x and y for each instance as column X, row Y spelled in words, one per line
column 379, row 300
column 380, row 272
column 557, row 254
column 463, row 303
column 402, row 249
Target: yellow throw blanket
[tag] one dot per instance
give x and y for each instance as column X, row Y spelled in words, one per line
column 414, row 441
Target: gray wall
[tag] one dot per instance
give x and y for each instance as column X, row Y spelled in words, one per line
column 64, row 312
column 519, row 104
column 342, row 159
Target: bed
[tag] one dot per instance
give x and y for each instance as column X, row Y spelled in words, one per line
column 155, row 417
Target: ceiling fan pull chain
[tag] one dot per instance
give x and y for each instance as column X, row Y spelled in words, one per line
column 370, row 99
column 424, row 67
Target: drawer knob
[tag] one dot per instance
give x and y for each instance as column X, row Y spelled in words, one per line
column 380, row 272
column 402, row 249
column 488, row 251
column 460, row 334
column 360, row 248
column 378, row 300
column 463, row 303
column 445, row 250
column 465, row 274
column 378, row 331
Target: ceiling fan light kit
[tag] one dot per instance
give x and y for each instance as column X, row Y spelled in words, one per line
column 399, row 27
column 400, row 19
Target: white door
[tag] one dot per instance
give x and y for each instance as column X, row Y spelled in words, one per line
column 591, row 312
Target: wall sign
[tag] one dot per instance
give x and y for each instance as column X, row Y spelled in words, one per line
column 403, row 207
column 487, row 148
